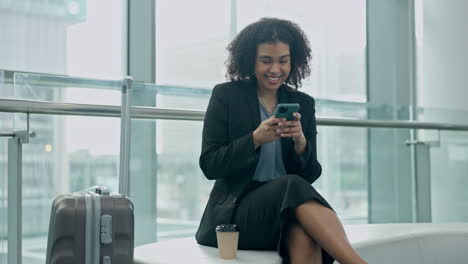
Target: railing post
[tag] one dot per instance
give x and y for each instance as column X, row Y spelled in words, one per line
column 15, row 156
column 124, row 181
column 422, row 209
column 423, row 184
column 14, row 200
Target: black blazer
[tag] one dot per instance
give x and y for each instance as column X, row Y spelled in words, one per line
column 228, row 153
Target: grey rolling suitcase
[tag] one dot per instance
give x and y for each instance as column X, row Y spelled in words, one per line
column 94, row 226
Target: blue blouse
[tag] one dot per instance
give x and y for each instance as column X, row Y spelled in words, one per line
column 270, row 165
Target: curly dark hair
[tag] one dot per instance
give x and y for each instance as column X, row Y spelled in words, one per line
column 243, row 49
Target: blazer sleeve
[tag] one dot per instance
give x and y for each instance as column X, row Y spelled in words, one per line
column 221, row 157
column 307, row 164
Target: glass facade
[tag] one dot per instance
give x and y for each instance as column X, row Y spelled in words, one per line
column 369, row 174
column 75, row 37
column 191, row 49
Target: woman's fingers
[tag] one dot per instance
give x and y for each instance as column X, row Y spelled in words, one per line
column 297, row 116
column 273, row 120
column 289, row 124
column 289, row 130
column 279, row 127
column 292, row 135
column 284, row 123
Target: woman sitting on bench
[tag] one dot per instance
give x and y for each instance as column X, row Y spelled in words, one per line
column 264, row 166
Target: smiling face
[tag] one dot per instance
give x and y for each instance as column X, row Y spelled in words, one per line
column 272, row 65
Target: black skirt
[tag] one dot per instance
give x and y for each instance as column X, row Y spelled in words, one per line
column 266, row 211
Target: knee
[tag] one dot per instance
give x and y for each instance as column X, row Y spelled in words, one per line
column 301, row 247
column 293, row 178
column 299, row 239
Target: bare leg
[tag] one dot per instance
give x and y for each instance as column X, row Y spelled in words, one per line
column 302, row 249
column 323, row 226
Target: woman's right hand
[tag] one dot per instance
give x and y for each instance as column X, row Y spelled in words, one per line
column 266, row 131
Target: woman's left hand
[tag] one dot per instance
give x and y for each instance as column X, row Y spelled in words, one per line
column 293, row 129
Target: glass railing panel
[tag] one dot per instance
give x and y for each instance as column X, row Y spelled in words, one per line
column 173, row 97
column 66, row 89
column 367, row 172
column 355, row 110
column 69, row 153
column 442, row 115
column 4, row 127
column 183, row 190
column 165, row 153
column 342, row 152
column 167, row 187
column 449, row 176
column 338, row 109
column 70, row 90
column 197, row 98
column 448, row 164
column 390, row 181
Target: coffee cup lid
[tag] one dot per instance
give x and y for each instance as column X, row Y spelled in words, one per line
column 227, row 228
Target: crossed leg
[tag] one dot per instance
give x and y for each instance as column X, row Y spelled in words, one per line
column 323, row 226
column 302, row 248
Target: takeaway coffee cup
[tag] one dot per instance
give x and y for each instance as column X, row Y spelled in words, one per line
column 228, row 236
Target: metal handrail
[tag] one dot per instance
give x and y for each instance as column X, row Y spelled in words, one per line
column 139, row 112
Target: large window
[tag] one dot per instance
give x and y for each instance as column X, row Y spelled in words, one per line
column 76, row 37
column 191, row 41
column 367, row 173
column 191, row 48
column 191, row 51
column 441, row 62
column 87, row 39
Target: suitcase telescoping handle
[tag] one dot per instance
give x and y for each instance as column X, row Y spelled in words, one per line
column 125, row 122
column 98, row 189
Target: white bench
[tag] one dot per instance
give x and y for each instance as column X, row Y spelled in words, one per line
column 376, row 243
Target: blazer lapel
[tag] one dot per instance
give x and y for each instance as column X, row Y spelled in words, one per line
column 283, row 95
column 252, row 103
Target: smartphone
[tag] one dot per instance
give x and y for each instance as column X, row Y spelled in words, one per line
column 286, row 111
